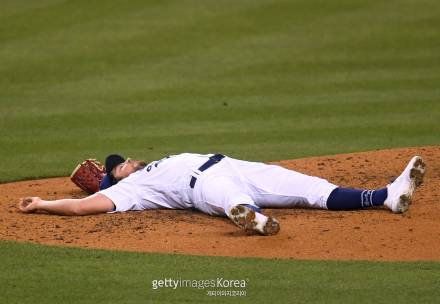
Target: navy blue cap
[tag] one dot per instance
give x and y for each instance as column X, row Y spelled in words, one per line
column 111, row 162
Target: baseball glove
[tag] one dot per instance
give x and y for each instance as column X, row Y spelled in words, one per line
column 88, row 175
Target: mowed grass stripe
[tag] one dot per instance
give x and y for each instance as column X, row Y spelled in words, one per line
column 147, row 142
column 195, row 60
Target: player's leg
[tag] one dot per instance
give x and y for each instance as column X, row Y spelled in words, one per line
column 225, row 195
column 273, row 186
column 276, row 187
column 396, row 196
column 351, row 199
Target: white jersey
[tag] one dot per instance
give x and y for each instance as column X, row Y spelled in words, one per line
column 166, row 184
column 161, row 184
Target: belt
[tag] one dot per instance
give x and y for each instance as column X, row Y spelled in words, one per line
column 208, row 164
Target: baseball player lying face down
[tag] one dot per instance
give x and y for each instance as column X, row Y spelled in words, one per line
column 220, row 185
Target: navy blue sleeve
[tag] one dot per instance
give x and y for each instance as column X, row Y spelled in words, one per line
column 105, row 183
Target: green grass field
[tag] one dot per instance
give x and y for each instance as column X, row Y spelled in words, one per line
column 260, row 80
column 42, row 274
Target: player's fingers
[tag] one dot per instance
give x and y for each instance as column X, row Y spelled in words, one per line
column 21, row 205
column 24, row 203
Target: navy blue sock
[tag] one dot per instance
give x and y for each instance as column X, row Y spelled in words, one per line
column 351, row 199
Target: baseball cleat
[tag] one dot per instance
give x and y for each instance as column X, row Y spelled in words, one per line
column 402, row 188
column 250, row 220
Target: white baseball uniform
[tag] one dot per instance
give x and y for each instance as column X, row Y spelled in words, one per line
column 166, row 184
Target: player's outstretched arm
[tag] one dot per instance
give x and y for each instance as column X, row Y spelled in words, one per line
column 96, row 203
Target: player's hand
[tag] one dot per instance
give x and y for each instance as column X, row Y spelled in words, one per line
column 28, row 204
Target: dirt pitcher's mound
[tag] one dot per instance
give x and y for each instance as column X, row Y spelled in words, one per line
column 374, row 234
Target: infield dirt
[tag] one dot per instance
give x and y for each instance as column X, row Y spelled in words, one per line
column 374, row 234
